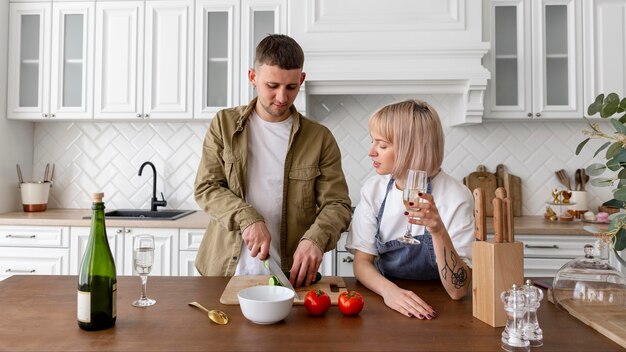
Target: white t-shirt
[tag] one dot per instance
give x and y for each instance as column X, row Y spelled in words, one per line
column 267, row 149
column 454, row 201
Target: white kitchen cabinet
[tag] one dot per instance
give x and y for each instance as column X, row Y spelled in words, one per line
column 34, row 250
column 144, row 60
column 50, row 60
column 165, row 250
column 604, row 48
column 545, row 255
column 227, row 33
column 189, row 242
column 78, row 243
column 535, row 59
column 344, row 260
column 259, row 18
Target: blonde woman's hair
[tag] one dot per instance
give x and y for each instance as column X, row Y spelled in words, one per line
column 414, row 129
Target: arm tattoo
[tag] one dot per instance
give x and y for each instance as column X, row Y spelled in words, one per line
column 458, row 277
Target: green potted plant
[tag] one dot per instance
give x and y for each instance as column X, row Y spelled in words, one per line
column 612, row 108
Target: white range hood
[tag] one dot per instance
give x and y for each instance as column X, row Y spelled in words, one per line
column 395, row 47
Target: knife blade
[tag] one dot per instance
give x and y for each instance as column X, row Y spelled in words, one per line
column 278, row 272
column 479, row 214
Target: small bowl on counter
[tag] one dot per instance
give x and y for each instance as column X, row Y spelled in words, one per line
column 266, row 304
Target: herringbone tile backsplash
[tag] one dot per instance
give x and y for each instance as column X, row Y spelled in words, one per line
column 91, row 156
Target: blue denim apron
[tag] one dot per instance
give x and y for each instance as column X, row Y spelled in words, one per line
column 402, row 260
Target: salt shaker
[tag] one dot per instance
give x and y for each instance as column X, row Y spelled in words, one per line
column 534, row 296
column 514, row 336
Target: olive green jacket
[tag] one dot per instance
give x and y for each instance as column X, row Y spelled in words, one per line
column 316, row 204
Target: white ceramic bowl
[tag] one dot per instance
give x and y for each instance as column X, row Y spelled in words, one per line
column 265, row 304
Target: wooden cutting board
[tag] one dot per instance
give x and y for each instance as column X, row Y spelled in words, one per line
column 609, row 320
column 513, row 186
column 332, row 285
column 487, row 182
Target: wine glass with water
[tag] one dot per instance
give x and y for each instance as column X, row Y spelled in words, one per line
column 143, row 258
column 416, row 182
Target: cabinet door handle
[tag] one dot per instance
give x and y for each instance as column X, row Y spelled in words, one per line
column 20, row 236
column 138, row 115
column 9, row 270
column 52, row 115
column 348, row 259
column 146, row 115
column 128, row 231
column 530, row 114
column 540, row 246
column 538, row 114
column 118, row 231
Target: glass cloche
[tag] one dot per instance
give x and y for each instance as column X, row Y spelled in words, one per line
column 588, row 280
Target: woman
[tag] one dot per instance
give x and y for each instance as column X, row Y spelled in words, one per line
column 408, row 135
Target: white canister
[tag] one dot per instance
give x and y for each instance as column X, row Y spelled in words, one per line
column 35, row 196
column 580, row 198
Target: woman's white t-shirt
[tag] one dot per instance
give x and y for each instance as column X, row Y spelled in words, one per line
column 454, row 202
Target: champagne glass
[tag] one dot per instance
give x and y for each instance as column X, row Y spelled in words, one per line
column 143, row 257
column 416, row 182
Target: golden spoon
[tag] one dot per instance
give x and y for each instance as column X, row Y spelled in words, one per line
column 217, row 316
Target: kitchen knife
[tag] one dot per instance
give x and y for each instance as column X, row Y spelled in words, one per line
column 497, row 220
column 510, row 229
column 480, row 220
column 278, row 272
column 504, row 220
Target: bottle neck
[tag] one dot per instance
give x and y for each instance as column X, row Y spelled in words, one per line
column 97, row 219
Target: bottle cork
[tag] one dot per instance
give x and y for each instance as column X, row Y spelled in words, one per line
column 97, row 197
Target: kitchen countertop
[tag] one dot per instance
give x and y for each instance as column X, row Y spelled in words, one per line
column 39, row 313
column 527, row 225
column 74, row 217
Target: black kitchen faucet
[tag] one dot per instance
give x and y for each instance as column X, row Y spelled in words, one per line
column 154, row 202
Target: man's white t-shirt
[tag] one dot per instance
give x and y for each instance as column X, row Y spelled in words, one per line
column 454, row 201
column 267, row 149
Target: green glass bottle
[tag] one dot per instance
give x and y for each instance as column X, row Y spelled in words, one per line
column 97, row 279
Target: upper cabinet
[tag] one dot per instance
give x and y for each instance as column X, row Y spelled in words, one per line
column 605, row 48
column 50, row 72
column 227, row 33
column 535, row 59
column 144, row 54
column 129, row 60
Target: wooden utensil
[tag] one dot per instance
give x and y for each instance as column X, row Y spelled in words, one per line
column 561, row 175
column 480, row 219
column 585, row 179
column 509, row 232
column 577, row 180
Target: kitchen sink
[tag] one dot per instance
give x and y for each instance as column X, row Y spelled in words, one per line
column 140, row 214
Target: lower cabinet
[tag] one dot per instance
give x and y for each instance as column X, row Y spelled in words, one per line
column 78, row 243
column 343, row 259
column 34, row 250
column 544, row 255
column 189, row 242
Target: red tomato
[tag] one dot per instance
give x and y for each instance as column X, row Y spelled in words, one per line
column 316, row 302
column 350, row 303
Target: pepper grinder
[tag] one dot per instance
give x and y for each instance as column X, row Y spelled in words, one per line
column 531, row 326
column 514, row 338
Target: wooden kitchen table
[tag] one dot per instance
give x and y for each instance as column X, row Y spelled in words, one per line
column 38, row 313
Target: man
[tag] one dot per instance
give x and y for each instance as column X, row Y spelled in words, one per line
column 270, row 178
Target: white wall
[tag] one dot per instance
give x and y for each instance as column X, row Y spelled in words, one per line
column 107, row 156
column 16, row 137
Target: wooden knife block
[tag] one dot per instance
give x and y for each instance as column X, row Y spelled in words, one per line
column 495, row 268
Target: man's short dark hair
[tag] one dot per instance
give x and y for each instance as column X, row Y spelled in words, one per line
column 279, row 50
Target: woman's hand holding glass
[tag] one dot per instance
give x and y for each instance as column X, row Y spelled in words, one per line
column 415, row 184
